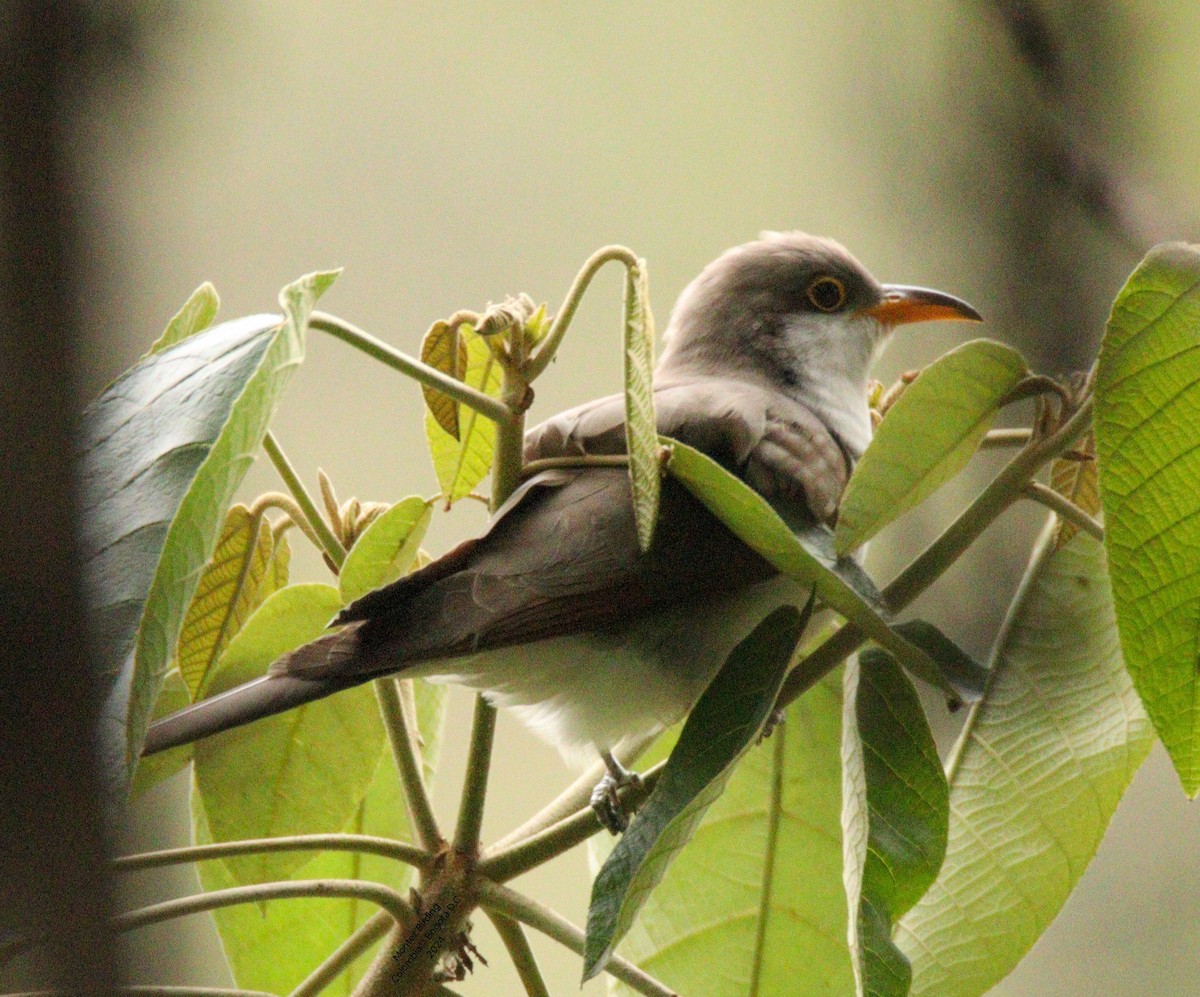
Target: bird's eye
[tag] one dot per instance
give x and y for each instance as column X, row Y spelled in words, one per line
column 827, row 294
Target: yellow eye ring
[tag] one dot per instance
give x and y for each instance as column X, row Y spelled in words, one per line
column 826, row 293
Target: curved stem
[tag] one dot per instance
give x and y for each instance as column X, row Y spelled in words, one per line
column 513, row 937
column 1065, row 508
column 385, row 847
column 407, row 756
column 329, row 544
column 590, row 460
column 341, row 957
column 431, row 377
column 291, row 508
column 545, row 353
column 493, row 896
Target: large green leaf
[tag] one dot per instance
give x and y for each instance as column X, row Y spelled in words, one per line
column 1039, row 770
column 894, row 815
column 641, row 434
column 462, row 463
column 303, row 771
column 273, row 946
column 722, row 727
column 163, row 449
column 1148, row 444
column 927, row 437
column 755, row 903
column 386, row 549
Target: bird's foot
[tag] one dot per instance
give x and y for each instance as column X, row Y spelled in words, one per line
column 776, row 719
column 605, row 799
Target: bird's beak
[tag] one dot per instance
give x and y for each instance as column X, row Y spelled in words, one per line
column 902, row 304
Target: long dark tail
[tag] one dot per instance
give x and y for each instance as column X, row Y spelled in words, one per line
column 260, row 698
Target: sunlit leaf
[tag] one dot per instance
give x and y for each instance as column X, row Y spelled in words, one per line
column 386, row 549
column 894, row 815
column 444, row 349
column 722, row 727
column 195, row 316
column 641, row 434
column 1147, row 428
column 927, row 436
column 1034, row 780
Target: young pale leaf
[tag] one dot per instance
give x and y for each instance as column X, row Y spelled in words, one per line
column 1035, row 779
column 724, row 724
column 806, row 556
column 230, row 589
column 444, row 349
column 895, row 815
column 273, row 946
column 755, row 903
column 386, row 549
column 1147, row 426
column 641, row 434
column 460, row 464
column 1079, row 482
column 163, row 449
column 151, row 771
column 195, row 316
column 927, row 437
column 304, row 771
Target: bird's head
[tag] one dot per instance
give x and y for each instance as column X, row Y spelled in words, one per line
column 800, row 314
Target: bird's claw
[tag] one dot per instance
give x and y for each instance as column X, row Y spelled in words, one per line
column 605, row 800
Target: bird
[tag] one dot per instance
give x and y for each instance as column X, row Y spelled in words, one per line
column 555, row 611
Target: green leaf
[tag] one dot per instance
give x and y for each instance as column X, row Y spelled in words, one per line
column 723, row 726
column 444, row 349
column 806, row 557
column 230, row 589
column 163, row 449
column 895, row 815
column 641, row 434
column 460, row 464
column 151, row 771
column 927, row 437
column 387, row 548
column 275, row 945
column 1034, row 780
column 958, row 674
column 303, row 771
column 755, row 903
column 1147, row 426
column 195, row 316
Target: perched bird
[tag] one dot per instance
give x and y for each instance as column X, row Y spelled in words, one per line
column 555, row 611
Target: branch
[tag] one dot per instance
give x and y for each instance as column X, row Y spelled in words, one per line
column 494, row 897
column 521, row 954
column 330, row 545
column 385, row 847
column 408, row 763
column 431, row 377
column 470, row 811
column 1065, row 508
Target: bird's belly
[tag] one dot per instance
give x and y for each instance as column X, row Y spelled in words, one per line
column 589, row 691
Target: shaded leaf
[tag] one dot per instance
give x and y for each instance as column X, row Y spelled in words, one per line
column 1079, row 482
column 895, row 815
column 230, row 589
column 641, row 434
column 958, row 674
column 151, row 771
column 443, row 349
column 460, row 464
column 387, row 548
column 927, row 436
column 1034, row 780
column 1147, row 426
column 195, row 316
column 722, row 727
column 303, row 771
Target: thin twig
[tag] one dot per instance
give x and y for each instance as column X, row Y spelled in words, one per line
column 1065, row 508
column 329, row 544
column 408, row 763
column 513, row 937
column 493, row 896
column 385, row 847
column 1006, row 438
column 484, row 404
column 340, row 958
column 589, row 460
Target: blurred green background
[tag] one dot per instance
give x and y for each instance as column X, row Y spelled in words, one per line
column 449, row 154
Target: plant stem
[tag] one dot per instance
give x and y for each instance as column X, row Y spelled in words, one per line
column 369, row 844
column 513, row 937
column 329, row 544
column 495, row 410
column 408, row 763
column 591, row 460
column 558, row 328
column 341, row 957
column 150, row 990
column 291, row 508
column 493, row 896
column 1006, row 438
column 1065, row 508
column 470, row 811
